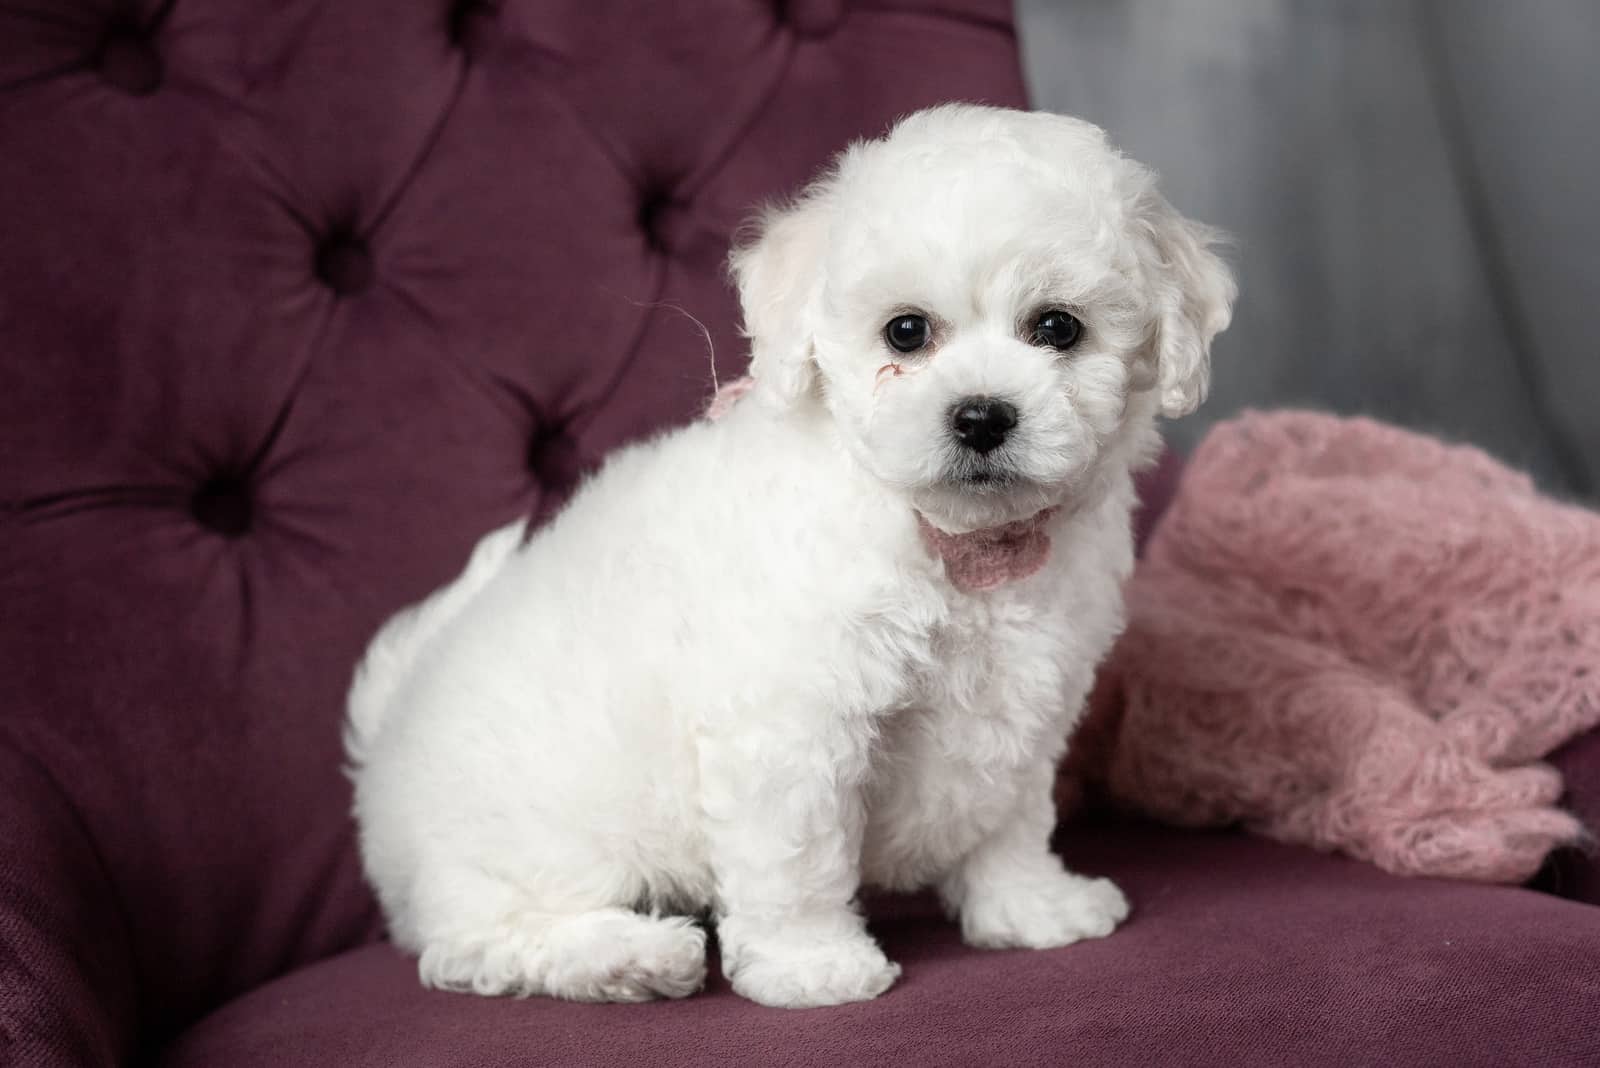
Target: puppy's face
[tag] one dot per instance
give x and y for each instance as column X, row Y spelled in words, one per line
column 991, row 305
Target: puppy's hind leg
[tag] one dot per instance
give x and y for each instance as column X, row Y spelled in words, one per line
column 492, row 938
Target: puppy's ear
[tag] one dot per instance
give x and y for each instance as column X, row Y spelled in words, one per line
column 779, row 274
column 1193, row 301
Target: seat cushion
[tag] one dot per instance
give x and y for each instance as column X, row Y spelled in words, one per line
column 1240, row 951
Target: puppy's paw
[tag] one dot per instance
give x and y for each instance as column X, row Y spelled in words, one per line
column 826, row 974
column 797, row 968
column 606, row 955
column 1042, row 912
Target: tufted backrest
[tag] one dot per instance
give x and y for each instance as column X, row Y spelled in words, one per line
column 296, row 300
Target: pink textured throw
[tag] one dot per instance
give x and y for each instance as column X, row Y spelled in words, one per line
column 1356, row 638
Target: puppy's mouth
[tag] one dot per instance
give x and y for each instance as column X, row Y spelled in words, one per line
column 988, row 481
column 980, row 475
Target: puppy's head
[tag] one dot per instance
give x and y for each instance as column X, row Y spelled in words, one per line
column 991, row 305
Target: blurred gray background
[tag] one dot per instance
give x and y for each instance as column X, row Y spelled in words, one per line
column 1412, row 187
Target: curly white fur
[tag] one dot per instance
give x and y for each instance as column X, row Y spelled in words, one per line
column 731, row 677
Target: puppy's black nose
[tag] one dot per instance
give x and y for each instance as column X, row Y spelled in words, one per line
column 982, row 423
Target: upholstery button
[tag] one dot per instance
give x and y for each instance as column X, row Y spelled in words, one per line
column 555, row 460
column 129, row 61
column 344, row 264
column 675, row 228
column 222, row 506
column 469, row 22
column 813, row 18
column 656, row 213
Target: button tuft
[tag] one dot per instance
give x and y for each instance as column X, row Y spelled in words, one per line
column 344, row 264
column 655, row 218
column 128, row 60
column 469, row 21
column 222, row 506
column 556, row 462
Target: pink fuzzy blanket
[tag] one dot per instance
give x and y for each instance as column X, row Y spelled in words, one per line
column 1356, row 638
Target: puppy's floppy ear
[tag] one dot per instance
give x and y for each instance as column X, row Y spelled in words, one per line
column 1193, row 302
column 779, row 274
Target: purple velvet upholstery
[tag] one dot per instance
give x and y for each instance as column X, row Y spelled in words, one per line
column 299, row 298
column 1242, row 952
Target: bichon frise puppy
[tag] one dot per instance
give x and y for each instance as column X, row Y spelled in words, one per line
column 837, row 636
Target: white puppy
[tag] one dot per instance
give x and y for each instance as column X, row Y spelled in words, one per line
column 837, row 636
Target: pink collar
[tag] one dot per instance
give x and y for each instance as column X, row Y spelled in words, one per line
column 985, row 559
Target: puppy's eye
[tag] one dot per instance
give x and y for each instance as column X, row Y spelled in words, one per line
column 1058, row 329
column 907, row 333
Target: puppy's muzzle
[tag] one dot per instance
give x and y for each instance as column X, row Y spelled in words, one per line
column 982, row 423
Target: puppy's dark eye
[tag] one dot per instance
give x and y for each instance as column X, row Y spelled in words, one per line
column 907, row 333
column 1058, row 329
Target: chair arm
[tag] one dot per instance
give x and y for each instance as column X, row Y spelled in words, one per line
column 67, row 990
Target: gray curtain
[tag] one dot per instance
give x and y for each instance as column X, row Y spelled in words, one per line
column 1412, row 187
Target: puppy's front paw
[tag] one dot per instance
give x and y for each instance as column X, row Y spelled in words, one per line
column 1042, row 912
column 800, row 967
column 826, row 974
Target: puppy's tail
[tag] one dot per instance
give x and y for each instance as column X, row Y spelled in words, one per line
column 389, row 658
